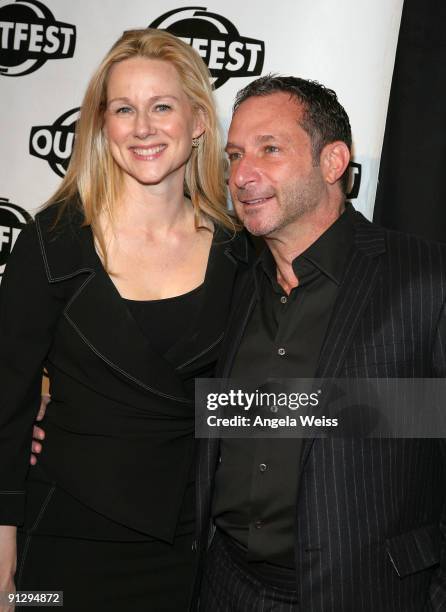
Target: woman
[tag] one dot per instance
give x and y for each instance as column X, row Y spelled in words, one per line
column 121, row 289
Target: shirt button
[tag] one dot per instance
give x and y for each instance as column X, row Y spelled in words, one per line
column 258, row 524
column 262, row 467
column 284, row 299
column 281, row 351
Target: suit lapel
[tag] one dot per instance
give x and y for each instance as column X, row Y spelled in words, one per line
column 354, row 295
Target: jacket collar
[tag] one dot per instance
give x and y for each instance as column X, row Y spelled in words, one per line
column 66, row 245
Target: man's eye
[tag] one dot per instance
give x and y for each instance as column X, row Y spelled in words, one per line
column 271, row 149
column 233, row 156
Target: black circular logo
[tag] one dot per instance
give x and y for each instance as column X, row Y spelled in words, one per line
column 12, row 220
column 226, row 53
column 54, row 143
column 30, row 35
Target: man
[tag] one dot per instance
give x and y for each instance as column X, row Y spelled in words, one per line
column 337, row 524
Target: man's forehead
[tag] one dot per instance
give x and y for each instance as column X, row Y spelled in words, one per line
column 261, row 128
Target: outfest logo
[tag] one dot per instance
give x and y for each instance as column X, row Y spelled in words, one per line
column 226, row 53
column 355, row 173
column 30, row 36
column 54, row 143
column 12, row 221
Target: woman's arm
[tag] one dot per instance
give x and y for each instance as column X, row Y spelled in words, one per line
column 29, row 310
column 8, row 561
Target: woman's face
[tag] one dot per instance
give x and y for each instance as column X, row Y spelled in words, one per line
column 149, row 122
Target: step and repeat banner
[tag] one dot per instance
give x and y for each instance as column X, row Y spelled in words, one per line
column 49, row 49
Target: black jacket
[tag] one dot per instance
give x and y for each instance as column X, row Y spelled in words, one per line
column 120, row 424
column 370, row 514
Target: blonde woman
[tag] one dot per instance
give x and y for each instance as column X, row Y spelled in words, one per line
column 121, row 289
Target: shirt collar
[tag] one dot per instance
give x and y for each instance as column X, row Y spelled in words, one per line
column 327, row 255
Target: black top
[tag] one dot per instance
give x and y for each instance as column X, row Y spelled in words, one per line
column 120, row 424
column 256, row 482
column 165, row 322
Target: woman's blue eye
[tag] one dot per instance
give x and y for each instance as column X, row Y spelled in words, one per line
column 162, row 107
column 122, row 110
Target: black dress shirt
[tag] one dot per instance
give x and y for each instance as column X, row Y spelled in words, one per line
column 256, row 481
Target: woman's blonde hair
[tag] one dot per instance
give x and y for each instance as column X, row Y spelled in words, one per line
column 96, row 179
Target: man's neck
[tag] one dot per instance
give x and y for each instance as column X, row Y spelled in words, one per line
column 294, row 239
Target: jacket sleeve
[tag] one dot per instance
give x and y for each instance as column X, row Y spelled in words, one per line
column 29, row 310
column 437, row 592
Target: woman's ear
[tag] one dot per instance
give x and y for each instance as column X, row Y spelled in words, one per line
column 199, row 123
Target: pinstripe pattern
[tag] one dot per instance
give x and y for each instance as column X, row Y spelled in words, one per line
column 228, row 588
column 370, row 524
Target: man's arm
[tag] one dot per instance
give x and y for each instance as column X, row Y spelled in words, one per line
column 437, row 591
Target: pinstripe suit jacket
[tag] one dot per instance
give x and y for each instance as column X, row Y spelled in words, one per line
column 370, row 524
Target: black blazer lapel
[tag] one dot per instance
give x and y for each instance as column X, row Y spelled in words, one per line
column 354, row 294
column 245, row 298
column 227, row 256
column 100, row 317
column 96, row 311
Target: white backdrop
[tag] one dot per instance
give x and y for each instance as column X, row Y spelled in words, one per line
column 49, row 49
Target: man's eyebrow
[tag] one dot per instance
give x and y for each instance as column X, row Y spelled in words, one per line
column 258, row 140
column 231, row 145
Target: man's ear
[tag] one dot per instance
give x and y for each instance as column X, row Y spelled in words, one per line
column 335, row 158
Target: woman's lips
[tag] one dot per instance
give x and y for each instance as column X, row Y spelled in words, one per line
column 148, row 153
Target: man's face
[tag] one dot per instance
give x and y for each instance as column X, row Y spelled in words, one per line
column 272, row 179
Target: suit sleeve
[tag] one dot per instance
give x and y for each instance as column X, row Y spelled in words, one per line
column 29, row 310
column 437, row 591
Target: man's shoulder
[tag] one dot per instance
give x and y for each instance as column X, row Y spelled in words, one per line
column 403, row 247
column 238, row 242
column 417, row 250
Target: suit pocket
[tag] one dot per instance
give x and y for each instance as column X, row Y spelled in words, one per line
column 415, row 550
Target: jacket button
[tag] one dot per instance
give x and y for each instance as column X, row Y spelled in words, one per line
column 194, row 546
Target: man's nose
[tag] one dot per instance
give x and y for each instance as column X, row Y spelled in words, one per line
column 244, row 172
column 144, row 125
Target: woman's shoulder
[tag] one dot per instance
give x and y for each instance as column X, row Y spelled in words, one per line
column 61, row 232
column 60, row 218
column 238, row 242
